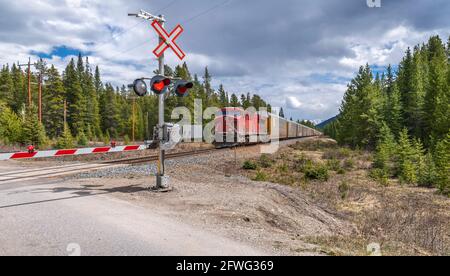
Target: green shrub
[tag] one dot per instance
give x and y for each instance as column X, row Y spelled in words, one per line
column 249, row 165
column 385, row 151
column 33, row 130
column 107, row 139
column 428, row 175
column 408, row 173
column 66, row 140
column 11, row 130
column 260, row 176
column 82, row 140
column 442, row 162
column 334, row 165
column 349, row 163
column 344, row 188
column 301, row 162
column 265, row 161
column 339, row 154
column 312, row 145
column 380, row 175
column 315, row 171
column 283, row 168
column 126, row 140
column 341, row 171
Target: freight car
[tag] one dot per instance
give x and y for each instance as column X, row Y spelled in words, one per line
column 235, row 126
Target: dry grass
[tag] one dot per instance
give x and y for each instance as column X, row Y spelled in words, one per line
column 403, row 220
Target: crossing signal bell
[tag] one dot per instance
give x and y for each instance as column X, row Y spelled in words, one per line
column 160, row 84
column 182, row 87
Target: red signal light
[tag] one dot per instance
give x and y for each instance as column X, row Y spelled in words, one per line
column 182, row 87
column 160, row 84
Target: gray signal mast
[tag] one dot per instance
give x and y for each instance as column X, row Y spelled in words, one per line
column 162, row 181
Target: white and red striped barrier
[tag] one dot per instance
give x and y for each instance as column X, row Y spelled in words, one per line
column 68, row 152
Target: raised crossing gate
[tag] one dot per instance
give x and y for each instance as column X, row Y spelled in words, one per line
column 69, row 152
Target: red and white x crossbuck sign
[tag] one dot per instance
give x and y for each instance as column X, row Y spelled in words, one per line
column 168, row 40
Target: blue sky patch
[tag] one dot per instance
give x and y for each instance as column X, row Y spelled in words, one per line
column 60, row 51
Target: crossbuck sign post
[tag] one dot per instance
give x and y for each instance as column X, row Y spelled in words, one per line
column 166, row 40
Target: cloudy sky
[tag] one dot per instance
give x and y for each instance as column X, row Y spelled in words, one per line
column 298, row 54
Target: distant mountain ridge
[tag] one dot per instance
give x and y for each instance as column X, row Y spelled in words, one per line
column 326, row 122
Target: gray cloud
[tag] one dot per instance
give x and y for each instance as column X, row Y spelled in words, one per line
column 289, row 51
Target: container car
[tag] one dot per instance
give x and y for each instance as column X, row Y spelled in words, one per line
column 235, row 126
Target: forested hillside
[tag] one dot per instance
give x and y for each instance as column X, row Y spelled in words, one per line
column 403, row 115
column 95, row 111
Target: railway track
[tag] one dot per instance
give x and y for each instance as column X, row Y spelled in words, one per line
column 49, row 172
column 140, row 160
column 55, row 171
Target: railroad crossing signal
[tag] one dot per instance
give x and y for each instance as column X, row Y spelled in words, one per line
column 160, row 84
column 168, row 40
column 182, row 87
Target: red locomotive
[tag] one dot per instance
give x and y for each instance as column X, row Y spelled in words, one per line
column 235, row 126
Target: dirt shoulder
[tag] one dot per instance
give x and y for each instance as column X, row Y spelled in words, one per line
column 285, row 214
column 211, row 193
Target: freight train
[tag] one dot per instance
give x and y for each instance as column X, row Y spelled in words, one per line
column 235, row 126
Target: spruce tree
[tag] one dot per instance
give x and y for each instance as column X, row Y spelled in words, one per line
column 436, row 107
column 10, row 125
column 442, row 160
column 234, row 101
column 19, row 90
column 6, row 86
column 281, row 114
column 65, row 141
column 92, row 108
column 33, row 130
column 75, row 100
column 110, row 116
column 407, row 171
column 53, row 109
column 223, row 96
column 386, row 150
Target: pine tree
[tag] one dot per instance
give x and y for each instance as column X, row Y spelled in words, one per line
column 234, row 101
column 19, row 90
column 53, row 99
column 110, row 116
column 92, row 112
column 98, row 82
column 10, row 125
column 437, row 121
column 360, row 111
column 66, row 139
column 75, row 99
column 442, row 161
column 427, row 172
column 281, row 114
column 6, row 86
column 393, row 115
column 33, row 130
column 223, row 96
column 405, row 165
column 386, row 150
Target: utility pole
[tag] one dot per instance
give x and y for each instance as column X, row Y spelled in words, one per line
column 29, row 82
column 40, row 97
column 29, row 79
column 161, row 179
